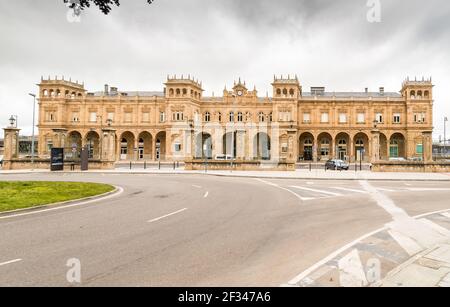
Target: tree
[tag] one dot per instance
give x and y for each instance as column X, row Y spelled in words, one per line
column 103, row 5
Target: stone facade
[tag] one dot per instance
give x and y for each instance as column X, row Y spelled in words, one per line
column 292, row 125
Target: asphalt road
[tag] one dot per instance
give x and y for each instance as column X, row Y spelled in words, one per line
column 194, row 230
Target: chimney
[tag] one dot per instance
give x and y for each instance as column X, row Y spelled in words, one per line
column 382, row 90
column 106, row 90
column 367, row 90
column 114, row 91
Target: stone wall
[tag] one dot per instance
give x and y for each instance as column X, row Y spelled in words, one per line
column 239, row 165
column 412, row 167
column 44, row 164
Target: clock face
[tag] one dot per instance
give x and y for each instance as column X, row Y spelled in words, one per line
column 239, row 93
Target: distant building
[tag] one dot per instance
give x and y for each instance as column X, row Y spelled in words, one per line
column 180, row 122
column 1, row 147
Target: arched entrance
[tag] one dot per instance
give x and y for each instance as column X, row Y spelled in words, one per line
column 261, row 146
column 342, row 146
column 160, row 149
column 93, row 145
column 306, row 147
column 383, row 147
column 127, row 146
column 325, row 146
column 75, row 142
column 145, row 146
column 397, row 146
column 361, row 141
column 203, row 146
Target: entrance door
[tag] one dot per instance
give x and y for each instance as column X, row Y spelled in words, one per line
column 393, row 152
column 342, row 154
column 308, row 153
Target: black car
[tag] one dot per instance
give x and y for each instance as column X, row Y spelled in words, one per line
column 336, row 165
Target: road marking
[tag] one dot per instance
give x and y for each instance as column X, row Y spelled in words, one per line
column 350, row 190
column 167, row 215
column 287, row 190
column 316, row 190
column 119, row 191
column 10, row 262
column 206, row 195
column 443, row 231
column 351, row 272
column 409, row 245
column 426, row 189
column 196, row 186
column 385, row 190
column 446, row 214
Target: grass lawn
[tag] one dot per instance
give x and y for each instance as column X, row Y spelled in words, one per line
column 25, row 194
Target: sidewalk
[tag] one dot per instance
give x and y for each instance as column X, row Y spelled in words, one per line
column 298, row 174
column 428, row 269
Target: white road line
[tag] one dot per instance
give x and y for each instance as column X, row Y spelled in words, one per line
column 206, row 195
column 350, row 190
column 408, row 244
column 384, row 189
column 351, row 271
column 446, row 214
column 10, row 262
column 443, row 231
column 196, row 186
column 316, row 190
column 119, row 191
column 287, row 190
column 426, row 189
column 167, row 215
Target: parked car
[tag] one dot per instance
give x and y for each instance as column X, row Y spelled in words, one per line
column 336, row 165
column 1, row 160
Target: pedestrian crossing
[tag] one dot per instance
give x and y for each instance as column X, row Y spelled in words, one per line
column 309, row 191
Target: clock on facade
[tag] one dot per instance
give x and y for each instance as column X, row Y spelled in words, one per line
column 239, row 93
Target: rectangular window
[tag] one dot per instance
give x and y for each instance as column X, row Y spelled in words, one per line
column 419, row 149
column 110, row 116
column 93, row 117
column 75, row 117
column 127, row 117
column 419, row 118
column 324, row 118
column 361, row 118
column 177, row 147
column 379, row 118
column 342, row 118
column 162, row 117
column 397, row 118
column 146, row 117
column 306, row 118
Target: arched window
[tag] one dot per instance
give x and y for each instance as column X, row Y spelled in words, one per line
column 52, row 93
column 178, row 92
column 342, row 142
column 80, row 95
column 219, row 116
column 184, row 92
column 325, row 142
column 278, row 92
column 58, row 93
column 359, row 143
column 291, row 92
column 308, row 142
column 232, row 117
column 207, row 117
column 171, row 92
column 261, row 117
column 427, row 94
column 419, row 95
column 45, row 93
column 413, row 94
column 285, row 92
column 271, row 117
column 240, row 117
column 72, row 96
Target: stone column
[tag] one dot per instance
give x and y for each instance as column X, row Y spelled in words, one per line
column 108, row 145
column 427, row 146
column 375, row 145
column 240, row 144
column 315, row 151
column 352, row 156
column 11, row 143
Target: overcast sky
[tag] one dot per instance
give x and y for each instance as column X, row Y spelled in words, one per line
column 326, row 42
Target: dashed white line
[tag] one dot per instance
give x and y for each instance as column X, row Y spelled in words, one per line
column 167, row 215
column 426, row 189
column 206, row 195
column 316, row 190
column 10, row 262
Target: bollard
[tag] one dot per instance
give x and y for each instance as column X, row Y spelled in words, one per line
column 159, row 165
column 130, row 165
column 145, row 164
column 174, row 165
column 310, row 167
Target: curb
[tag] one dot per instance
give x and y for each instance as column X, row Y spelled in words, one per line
column 60, row 204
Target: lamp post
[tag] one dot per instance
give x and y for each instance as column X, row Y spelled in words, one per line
column 32, row 134
column 445, row 136
column 13, row 121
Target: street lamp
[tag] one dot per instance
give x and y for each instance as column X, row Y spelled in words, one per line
column 445, row 136
column 13, row 121
column 32, row 135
